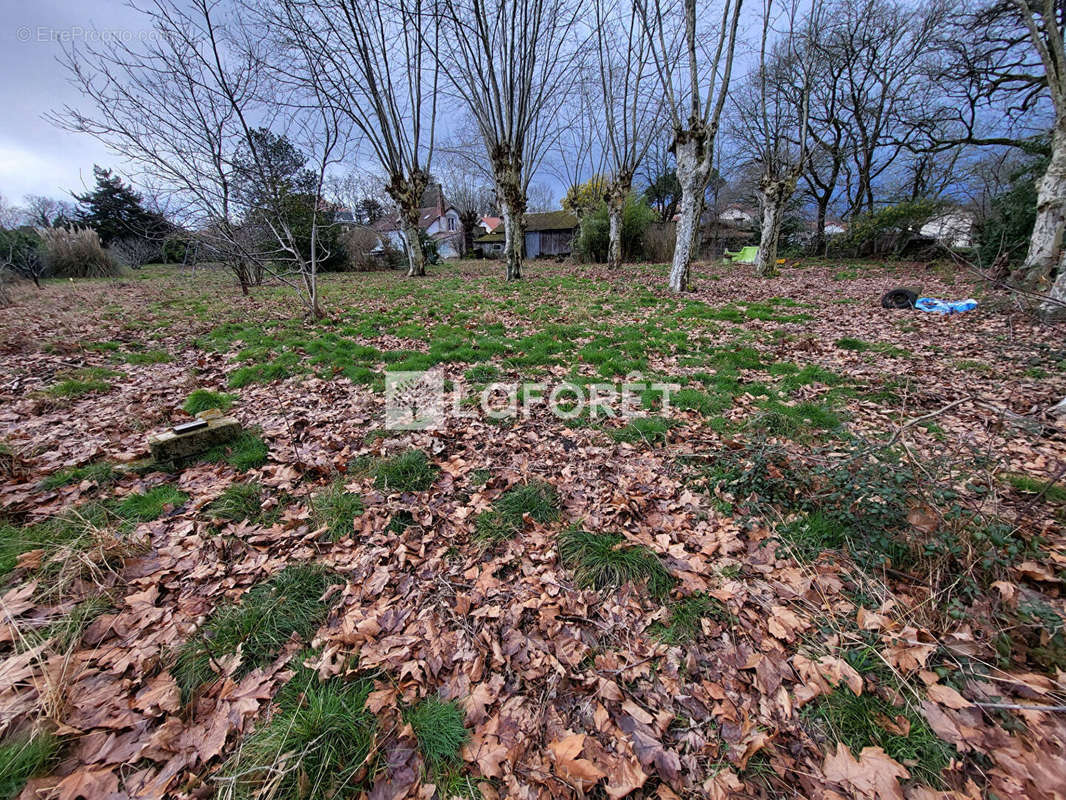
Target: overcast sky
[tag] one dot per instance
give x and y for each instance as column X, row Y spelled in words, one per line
column 35, row 156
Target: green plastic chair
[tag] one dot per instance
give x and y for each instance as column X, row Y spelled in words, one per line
column 745, row 255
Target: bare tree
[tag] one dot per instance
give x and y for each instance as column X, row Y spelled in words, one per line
column 695, row 88
column 776, row 134
column 509, row 61
column 631, row 113
column 373, row 60
column 47, row 212
column 1029, row 60
column 11, row 216
column 180, row 104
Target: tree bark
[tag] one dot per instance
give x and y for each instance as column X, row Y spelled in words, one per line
column 616, row 203
column 693, row 170
column 1045, row 244
column 513, row 241
column 775, row 193
column 819, row 226
column 416, row 258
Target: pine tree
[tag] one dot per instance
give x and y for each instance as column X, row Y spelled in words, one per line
column 115, row 211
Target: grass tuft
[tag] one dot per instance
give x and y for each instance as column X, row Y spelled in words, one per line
column 150, row 505
column 336, row 509
column 238, row 501
column 538, row 499
column 649, row 430
column 100, row 473
column 852, row 719
column 604, row 560
column 410, row 471
column 1052, row 492
column 440, row 729
column 23, row 757
column 246, row 451
column 204, row 399
column 269, row 614
column 683, row 624
column 320, row 744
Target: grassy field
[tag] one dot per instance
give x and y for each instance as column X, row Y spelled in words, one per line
column 832, row 560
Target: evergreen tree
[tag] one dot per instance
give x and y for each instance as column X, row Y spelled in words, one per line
column 115, row 211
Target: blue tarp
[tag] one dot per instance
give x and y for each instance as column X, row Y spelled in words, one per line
column 935, row 306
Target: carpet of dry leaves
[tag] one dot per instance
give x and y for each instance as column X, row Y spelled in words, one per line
column 566, row 692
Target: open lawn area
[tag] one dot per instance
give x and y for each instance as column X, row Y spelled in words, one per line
column 830, row 560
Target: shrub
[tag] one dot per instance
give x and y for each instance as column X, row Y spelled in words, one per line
column 593, row 238
column 77, row 253
column 887, row 230
column 359, row 244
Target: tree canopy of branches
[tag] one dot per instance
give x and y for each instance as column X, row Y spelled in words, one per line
column 508, row 61
column 695, row 86
column 180, row 105
column 373, row 60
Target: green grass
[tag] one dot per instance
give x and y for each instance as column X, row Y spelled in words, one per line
column 76, row 387
column 808, row 536
column 538, row 499
column 603, row 560
column 150, row 505
column 440, row 729
column 649, row 430
column 237, row 502
column 244, row 452
column 260, row 625
column 321, row 738
column 852, row 719
column 410, row 471
column 73, row 528
column 790, row 420
column 335, row 508
column 147, row 357
column 23, row 757
column 683, row 624
column 100, row 473
column 204, row 399
column 66, row 632
column 1053, row 492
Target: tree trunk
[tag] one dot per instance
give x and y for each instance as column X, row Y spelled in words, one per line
column 1053, row 309
column 407, row 191
column 1045, row 245
column 819, row 226
column 513, row 241
column 775, row 193
column 616, row 203
column 693, row 170
column 416, row 258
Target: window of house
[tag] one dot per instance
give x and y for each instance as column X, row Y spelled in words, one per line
column 451, row 223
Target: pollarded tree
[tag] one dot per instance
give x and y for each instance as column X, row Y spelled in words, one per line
column 775, row 135
column 510, row 62
column 374, row 60
column 695, row 86
column 631, row 110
